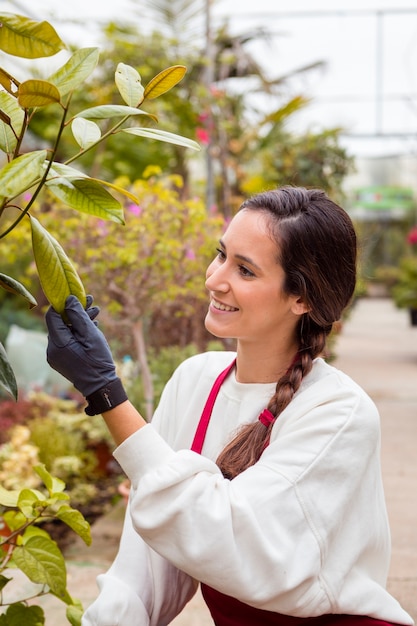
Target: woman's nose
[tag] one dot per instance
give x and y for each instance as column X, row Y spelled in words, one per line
column 216, row 277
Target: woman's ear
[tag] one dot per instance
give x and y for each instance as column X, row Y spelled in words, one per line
column 299, row 307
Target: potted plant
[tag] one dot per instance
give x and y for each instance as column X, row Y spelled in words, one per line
column 404, row 292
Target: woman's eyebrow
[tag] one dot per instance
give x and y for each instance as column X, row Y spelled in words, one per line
column 241, row 257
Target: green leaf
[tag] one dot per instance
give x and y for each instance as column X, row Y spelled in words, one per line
column 8, row 497
column 86, row 133
column 61, row 172
column 23, row 37
column 53, row 484
column 74, row 614
column 10, row 284
column 37, row 93
column 27, row 502
column 18, row 614
column 15, row 520
column 107, row 111
column 7, row 378
column 20, row 173
column 42, row 562
column 87, row 196
column 9, row 131
column 76, row 70
column 3, row 581
column 164, row 81
column 128, row 82
column 57, row 275
column 163, row 135
column 75, row 520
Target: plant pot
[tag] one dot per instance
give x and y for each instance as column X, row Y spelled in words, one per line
column 413, row 317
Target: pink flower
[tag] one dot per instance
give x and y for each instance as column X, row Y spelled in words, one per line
column 190, row 254
column 135, row 209
column 412, row 236
column 202, row 136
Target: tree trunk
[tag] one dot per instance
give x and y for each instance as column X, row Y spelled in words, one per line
column 139, row 340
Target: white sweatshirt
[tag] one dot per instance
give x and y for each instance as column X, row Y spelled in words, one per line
column 303, row 532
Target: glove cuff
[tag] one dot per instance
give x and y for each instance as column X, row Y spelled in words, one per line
column 106, row 398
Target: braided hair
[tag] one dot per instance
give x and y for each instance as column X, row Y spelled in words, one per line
column 316, row 245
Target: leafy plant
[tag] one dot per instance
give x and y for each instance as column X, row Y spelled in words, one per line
column 27, row 173
column 31, row 549
column 404, row 292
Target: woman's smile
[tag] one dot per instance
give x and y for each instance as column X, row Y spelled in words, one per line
column 221, row 306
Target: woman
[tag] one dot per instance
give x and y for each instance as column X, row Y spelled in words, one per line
column 259, row 476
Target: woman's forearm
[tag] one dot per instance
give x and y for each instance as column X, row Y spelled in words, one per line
column 123, row 421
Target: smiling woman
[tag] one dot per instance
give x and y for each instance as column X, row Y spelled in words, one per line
column 259, row 476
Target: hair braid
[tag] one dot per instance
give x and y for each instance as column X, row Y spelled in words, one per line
column 251, row 440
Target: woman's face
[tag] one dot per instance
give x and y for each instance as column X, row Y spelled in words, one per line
column 245, row 282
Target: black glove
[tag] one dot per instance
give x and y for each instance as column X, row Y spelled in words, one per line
column 79, row 351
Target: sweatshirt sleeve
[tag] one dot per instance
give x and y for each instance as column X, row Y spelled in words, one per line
column 269, row 536
column 140, row 587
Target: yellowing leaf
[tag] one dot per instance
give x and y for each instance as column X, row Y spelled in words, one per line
column 8, row 81
column 57, row 275
column 164, row 81
column 24, row 37
column 128, row 82
column 37, row 93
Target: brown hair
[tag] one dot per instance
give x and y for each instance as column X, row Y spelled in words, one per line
column 316, row 244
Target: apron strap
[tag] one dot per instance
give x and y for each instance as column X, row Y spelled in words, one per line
column 200, row 433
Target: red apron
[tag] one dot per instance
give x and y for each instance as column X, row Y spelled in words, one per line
column 227, row 611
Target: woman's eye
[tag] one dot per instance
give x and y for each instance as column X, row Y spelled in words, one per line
column 246, row 272
column 220, row 254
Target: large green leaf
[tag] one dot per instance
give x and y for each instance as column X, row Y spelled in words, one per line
column 7, row 377
column 42, row 562
column 86, row 133
column 19, row 613
column 57, row 275
column 164, row 81
column 107, row 111
column 10, row 284
column 23, row 37
column 37, row 93
column 75, row 71
column 88, row 196
column 20, row 173
column 128, row 82
column 10, row 129
column 75, row 520
column 163, row 135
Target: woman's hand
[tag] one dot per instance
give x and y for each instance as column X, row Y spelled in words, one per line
column 79, row 351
